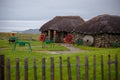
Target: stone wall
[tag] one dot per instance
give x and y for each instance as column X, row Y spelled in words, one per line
column 102, row 40
column 78, row 36
column 114, row 39
column 106, row 40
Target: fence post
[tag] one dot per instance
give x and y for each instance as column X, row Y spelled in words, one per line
column 26, row 68
column 86, row 68
column 52, row 68
column 61, row 78
column 8, row 74
column 109, row 68
column 17, row 69
column 102, row 68
column 116, row 67
column 77, row 68
column 35, row 69
column 69, row 69
column 2, row 67
column 94, row 67
column 43, row 69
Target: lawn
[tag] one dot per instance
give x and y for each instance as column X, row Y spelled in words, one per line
column 38, row 52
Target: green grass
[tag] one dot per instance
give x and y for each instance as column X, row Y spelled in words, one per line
column 39, row 53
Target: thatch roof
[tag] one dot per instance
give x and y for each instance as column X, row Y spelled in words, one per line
column 100, row 24
column 62, row 23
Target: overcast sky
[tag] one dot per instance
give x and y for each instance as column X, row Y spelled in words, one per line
column 25, row 14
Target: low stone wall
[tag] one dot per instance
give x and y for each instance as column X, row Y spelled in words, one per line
column 102, row 40
column 115, row 39
column 106, row 40
column 78, row 36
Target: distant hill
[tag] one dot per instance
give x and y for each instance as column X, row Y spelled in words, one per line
column 32, row 31
column 29, row 31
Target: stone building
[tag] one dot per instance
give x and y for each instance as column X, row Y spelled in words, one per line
column 100, row 31
column 57, row 28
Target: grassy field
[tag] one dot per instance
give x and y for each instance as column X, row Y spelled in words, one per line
column 39, row 53
column 21, row 36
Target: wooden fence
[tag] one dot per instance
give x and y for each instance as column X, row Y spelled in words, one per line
column 7, row 75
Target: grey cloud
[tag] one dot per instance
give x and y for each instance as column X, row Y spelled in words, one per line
column 45, row 9
column 19, row 25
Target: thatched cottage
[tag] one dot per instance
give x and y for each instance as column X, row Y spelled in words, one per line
column 57, row 28
column 100, row 31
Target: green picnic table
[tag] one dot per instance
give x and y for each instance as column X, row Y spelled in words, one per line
column 22, row 43
column 51, row 42
column 12, row 39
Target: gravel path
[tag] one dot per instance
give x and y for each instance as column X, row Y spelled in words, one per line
column 70, row 47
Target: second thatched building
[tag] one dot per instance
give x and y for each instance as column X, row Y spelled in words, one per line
column 100, row 31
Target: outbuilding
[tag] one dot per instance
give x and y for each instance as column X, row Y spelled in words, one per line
column 100, row 31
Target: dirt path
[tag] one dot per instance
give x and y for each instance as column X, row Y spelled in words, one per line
column 70, row 47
